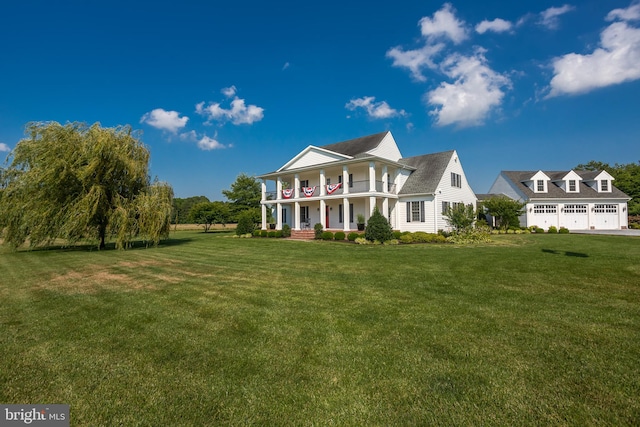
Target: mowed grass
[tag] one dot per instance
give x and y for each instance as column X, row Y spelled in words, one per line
column 212, row 330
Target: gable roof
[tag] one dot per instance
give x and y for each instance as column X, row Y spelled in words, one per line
column 555, row 192
column 357, row 146
column 428, row 172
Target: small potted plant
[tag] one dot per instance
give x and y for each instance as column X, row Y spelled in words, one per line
column 360, row 222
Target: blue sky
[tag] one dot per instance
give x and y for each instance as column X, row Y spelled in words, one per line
column 223, row 88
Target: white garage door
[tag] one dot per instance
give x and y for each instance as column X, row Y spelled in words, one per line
column 575, row 217
column 545, row 216
column 605, row 217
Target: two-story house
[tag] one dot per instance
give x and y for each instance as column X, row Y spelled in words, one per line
column 334, row 184
column 575, row 199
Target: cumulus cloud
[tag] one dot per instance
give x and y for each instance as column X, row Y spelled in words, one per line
column 415, row 60
column 476, row 90
column 497, row 26
column 549, row 17
column 229, row 92
column 375, row 110
column 165, row 120
column 207, row 144
column 4, row 147
column 444, row 24
column 238, row 114
column 615, row 60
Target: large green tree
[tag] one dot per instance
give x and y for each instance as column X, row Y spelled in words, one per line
column 504, row 209
column 460, row 217
column 210, row 213
column 627, row 179
column 77, row 181
column 245, row 194
column 182, row 207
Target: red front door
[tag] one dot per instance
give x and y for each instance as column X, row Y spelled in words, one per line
column 326, row 216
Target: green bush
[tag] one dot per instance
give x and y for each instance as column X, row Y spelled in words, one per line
column 563, row 230
column 263, row 233
column 339, row 235
column 539, row 230
column 256, row 233
column 634, row 226
column 392, row 242
column 352, row 236
column 271, row 234
column 378, row 228
column 362, row 241
column 279, row 233
column 327, row 235
column 286, row 230
column 444, row 233
column 552, row 230
column 423, row 237
column 397, row 234
column 317, row 228
column 245, row 223
column 406, row 238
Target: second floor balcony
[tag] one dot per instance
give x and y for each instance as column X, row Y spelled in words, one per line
column 354, row 188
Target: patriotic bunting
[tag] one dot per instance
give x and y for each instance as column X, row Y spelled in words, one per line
column 308, row 191
column 287, row 193
column 333, row 187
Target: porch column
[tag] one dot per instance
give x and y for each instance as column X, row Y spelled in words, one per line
column 372, row 204
column 296, row 215
column 346, row 214
column 385, row 209
column 345, row 179
column 372, row 176
column 279, row 188
column 385, row 180
column 296, row 190
column 263, row 207
column 323, row 213
column 323, row 182
column 279, row 216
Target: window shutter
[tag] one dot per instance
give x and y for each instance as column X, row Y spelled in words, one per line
column 408, row 211
column 422, row 211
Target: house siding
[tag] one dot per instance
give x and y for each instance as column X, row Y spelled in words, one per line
column 387, row 149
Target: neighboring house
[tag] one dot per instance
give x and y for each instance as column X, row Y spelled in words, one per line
column 333, row 184
column 575, row 199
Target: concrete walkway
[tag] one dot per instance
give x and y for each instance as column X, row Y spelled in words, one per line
column 628, row 232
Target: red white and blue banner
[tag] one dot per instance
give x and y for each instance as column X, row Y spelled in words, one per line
column 333, row 187
column 287, row 193
column 308, row 191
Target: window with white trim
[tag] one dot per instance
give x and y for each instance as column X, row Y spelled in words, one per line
column 605, row 208
column 572, row 185
column 456, row 180
column 604, row 185
column 545, row 209
column 304, row 213
column 415, row 211
column 540, row 186
column 573, row 209
column 340, row 213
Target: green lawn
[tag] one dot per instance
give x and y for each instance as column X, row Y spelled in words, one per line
column 208, row 330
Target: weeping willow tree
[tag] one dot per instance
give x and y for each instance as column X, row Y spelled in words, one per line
column 77, row 182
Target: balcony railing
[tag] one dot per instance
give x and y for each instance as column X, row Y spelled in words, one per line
column 355, row 188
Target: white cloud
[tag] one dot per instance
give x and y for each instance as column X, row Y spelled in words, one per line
column 632, row 13
column 444, row 24
column 238, row 114
column 207, row 144
column 477, row 90
column 285, row 66
column 165, row 120
column 616, row 60
column 4, row 147
column 415, row 60
column 549, row 17
column 229, row 92
column 497, row 26
column 375, row 110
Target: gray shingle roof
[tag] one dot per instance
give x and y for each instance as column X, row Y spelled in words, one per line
column 429, row 169
column 357, row 146
column 555, row 192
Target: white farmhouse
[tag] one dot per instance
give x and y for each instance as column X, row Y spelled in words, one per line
column 334, row 184
column 575, row 199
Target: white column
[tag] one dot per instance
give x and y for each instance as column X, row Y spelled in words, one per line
column 263, row 213
column 372, row 204
column 345, row 179
column 296, row 215
column 279, row 216
column 385, row 181
column 372, row 176
column 279, row 188
column 296, row 190
column 385, row 209
column 345, row 214
column 264, row 216
column 323, row 182
column 263, row 186
column 323, row 213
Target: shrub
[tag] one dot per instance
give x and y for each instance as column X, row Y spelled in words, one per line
column 256, row 233
column 339, row 235
column 397, row 234
column 317, row 228
column 444, row 233
column 406, row 238
column 477, row 235
column 378, row 228
column 553, row 230
column 279, row 233
column 327, row 235
column 563, row 230
column 352, row 236
column 423, row 237
column 362, row 241
column 286, row 230
column 263, row 233
column 392, row 242
column 245, row 223
column 539, row 230
column 271, row 234
column 634, row 226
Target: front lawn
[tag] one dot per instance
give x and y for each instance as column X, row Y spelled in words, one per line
column 208, row 329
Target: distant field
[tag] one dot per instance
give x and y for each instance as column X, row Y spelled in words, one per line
column 209, row 329
column 191, row 227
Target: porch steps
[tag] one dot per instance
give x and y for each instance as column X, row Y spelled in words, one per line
column 302, row 234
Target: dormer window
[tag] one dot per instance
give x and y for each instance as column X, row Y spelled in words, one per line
column 540, row 186
column 604, row 186
column 572, row 185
